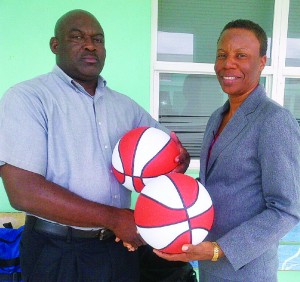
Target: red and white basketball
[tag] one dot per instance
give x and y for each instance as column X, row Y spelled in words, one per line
column 173, row 210
column 143, row 154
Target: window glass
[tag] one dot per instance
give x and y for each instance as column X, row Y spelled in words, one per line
column 185, row 104
column 292, row 96
column 189, row 32
column 289, row 250
column 293, row 40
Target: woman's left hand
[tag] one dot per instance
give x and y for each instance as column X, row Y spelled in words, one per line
column 202, row 251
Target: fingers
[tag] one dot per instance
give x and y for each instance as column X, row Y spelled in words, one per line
column 183, row 159
column 134, row 245
column 126, row 230
column 129, row 247
column 175, row 138
column 171, row 257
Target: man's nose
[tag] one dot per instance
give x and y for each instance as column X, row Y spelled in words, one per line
column 89, row 43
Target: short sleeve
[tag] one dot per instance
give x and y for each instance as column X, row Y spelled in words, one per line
column 23, row 130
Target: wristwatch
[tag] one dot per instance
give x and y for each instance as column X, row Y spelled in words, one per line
column 216, row 251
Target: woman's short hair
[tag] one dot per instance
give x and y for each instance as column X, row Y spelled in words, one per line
column 252, row 26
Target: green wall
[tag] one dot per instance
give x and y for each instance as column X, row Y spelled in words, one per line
column 26, row 27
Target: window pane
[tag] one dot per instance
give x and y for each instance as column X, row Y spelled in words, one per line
column 292, row 96
column 289, row 250
column 188, row 30
column 185, row 104
column 293, row 40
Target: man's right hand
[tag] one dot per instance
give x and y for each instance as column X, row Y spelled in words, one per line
column 125, row 230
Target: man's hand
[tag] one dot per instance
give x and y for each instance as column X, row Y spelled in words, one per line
column 126, row 231
column 183, row 159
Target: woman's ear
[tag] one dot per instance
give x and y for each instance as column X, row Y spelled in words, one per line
column 263, row 61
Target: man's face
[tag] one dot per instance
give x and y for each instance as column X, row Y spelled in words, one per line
column 238, row 63
column 79, row 47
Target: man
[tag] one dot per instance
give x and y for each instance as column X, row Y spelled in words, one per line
column 57, row 133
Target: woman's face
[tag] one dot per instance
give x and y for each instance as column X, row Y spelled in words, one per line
column 238, row 62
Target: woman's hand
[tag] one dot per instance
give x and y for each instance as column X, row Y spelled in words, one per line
column 202, row 251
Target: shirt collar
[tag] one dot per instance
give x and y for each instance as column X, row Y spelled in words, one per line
column 71, row 82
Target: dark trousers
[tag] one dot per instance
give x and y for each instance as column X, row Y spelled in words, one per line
column 156, row 269
column 48, row 258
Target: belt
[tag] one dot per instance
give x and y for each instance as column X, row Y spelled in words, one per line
column 53, row 228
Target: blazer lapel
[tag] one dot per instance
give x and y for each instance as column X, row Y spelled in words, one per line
column 235, row 125
column 229, row 133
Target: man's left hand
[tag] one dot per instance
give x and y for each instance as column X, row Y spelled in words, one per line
column 183, row 159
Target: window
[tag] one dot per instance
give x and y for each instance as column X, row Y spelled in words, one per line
column 185, row 90
column 292, row 96
column 293, row 36
column 184, row 45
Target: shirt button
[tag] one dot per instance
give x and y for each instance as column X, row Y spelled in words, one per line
column 99, row 122
column 105, row 146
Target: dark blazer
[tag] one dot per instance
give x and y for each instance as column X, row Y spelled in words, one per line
column 253, row 177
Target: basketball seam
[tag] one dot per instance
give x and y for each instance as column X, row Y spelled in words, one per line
column 185, row 207
column 134, row 153
column 142, row 172
column 176, row 239
column 160, row 203
column 169, row 224
column 210, row 208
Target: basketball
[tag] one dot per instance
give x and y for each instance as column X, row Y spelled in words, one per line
column 173, row 210
column 141, row 155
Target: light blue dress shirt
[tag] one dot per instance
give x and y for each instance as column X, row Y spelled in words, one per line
column 51, row 126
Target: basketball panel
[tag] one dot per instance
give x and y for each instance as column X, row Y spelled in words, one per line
column 163, row 161
column 186, row 186
column 202, row 203
column 161, row 237
column 152, row 142
column 116, row 160
column 128, row 148
column 175, row 247
column 119, row 175
column 150, row 213
column 198, row 235
column 162, row 190
column 203, row 220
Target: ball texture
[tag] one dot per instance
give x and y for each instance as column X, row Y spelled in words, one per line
column 173, row 210
column 141, row 155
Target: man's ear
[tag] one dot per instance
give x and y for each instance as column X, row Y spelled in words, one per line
column 54, row 45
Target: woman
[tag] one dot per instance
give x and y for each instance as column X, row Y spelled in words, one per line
column 250, row 165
